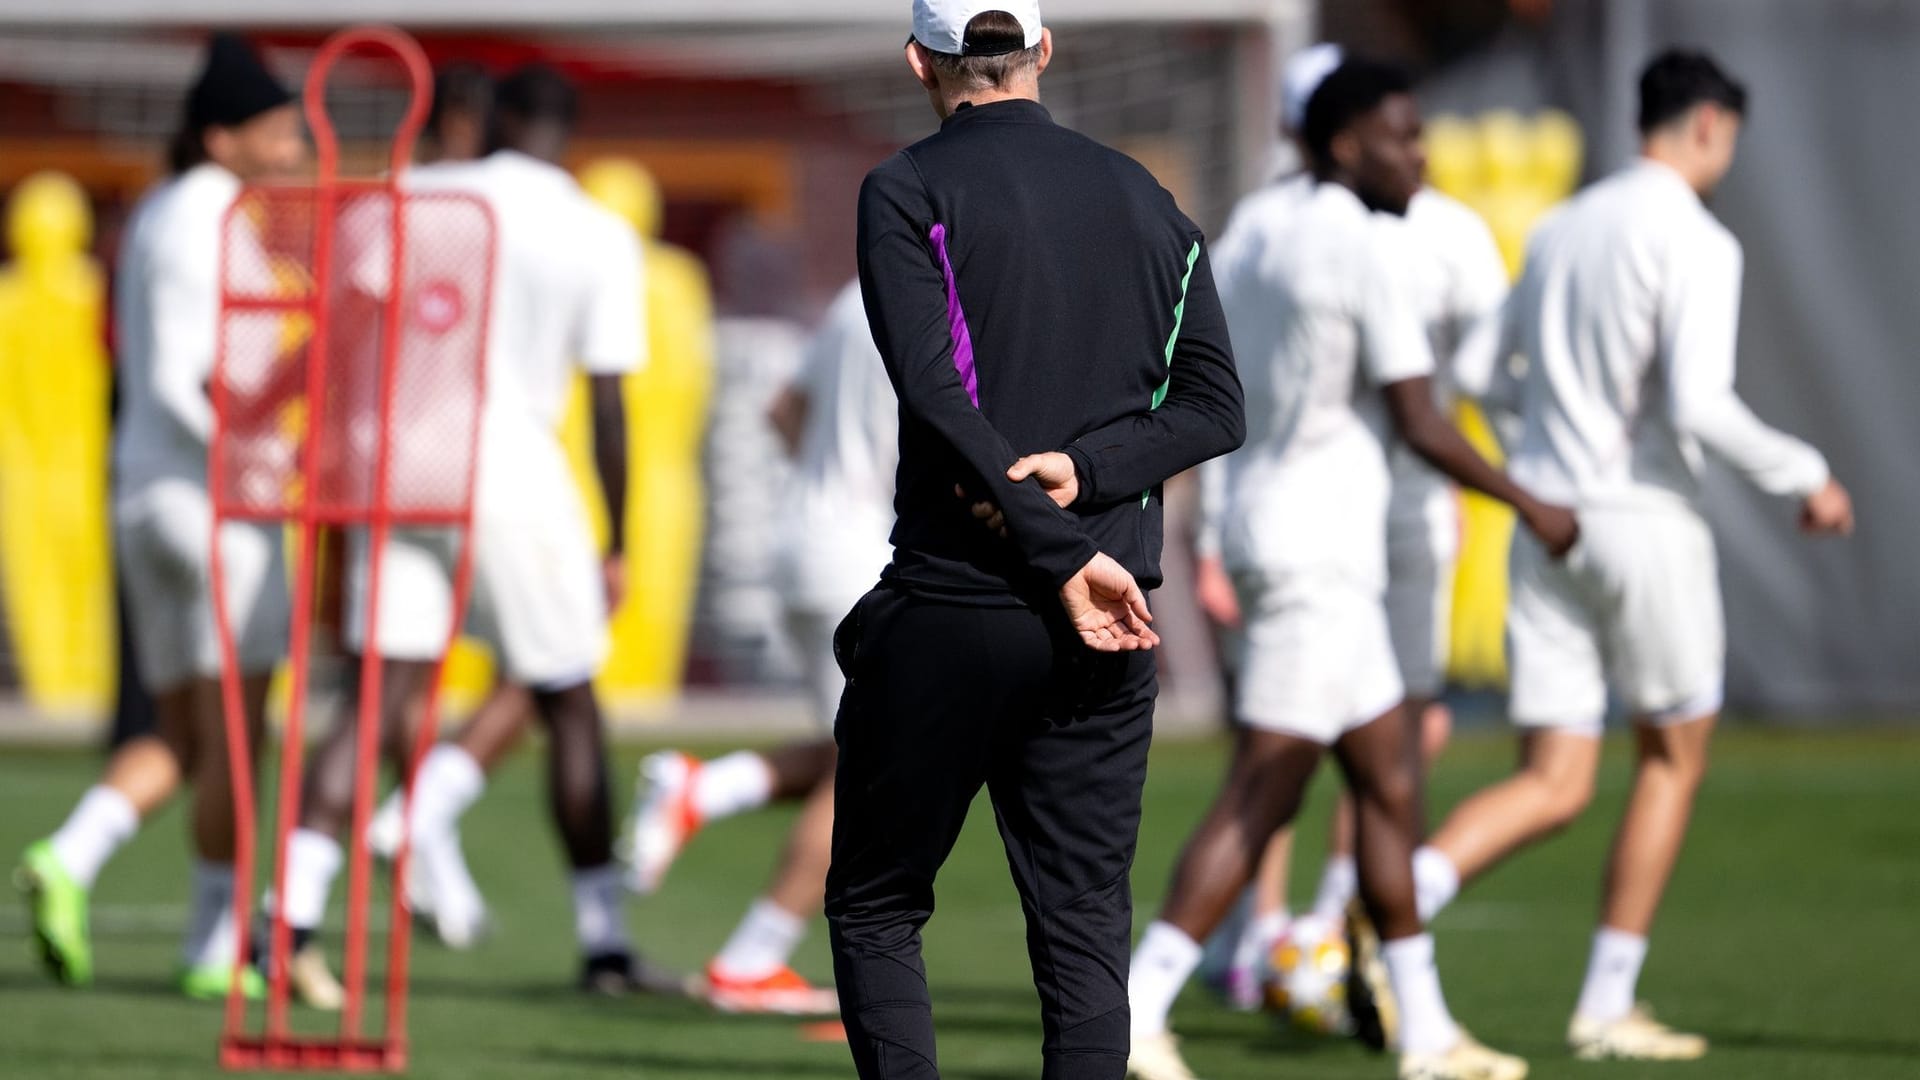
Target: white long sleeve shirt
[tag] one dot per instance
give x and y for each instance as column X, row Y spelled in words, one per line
column 1627, row 315
column 1321, row 315
column 837, row 513
column 166, row 309
column 567, row 285
column 1456, row 279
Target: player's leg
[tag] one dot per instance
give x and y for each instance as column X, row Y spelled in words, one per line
column 751, row 971
column 1666, row 637
column 1559, row 702
column 1608, row 1023
column 1066, row 782
column 315, row 854
column 1291, row 685
column 1383, row 777
column 407, row 636
column 679, row 794
column 580, row 800
column 255, row 601
column 211, row 941
column 1265, row 921
column 453, row 775
column 451, row 779
column 920, row 678
column 56, row 874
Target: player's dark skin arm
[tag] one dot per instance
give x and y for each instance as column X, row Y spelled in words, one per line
column 610, row 456
column 1427, row 433
column 788, row 417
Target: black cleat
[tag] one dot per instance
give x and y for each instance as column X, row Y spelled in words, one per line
column 618, row 974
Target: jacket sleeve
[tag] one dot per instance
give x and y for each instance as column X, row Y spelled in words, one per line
column 1199, row 414
column 917, row 330
column 1699, row 317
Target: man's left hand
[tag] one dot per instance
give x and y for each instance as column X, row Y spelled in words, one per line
column 1057, row 477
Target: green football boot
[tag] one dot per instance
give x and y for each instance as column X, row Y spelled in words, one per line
column 58, row 906
column 211, row 982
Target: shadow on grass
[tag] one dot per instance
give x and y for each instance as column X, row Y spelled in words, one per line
column 1837, row 1045
column 131, row 985
column 642, row 1061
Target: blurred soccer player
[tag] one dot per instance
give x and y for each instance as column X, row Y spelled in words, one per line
column 441, row 887
column 1454, row 277
column 840, row 420
column 566, row 291
column 1626, row 314
column 1336, row 362
column 240, row 125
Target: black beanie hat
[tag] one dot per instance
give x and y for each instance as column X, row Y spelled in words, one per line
column 233, row 87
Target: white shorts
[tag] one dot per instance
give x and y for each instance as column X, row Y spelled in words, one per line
column 1635, row 605
column 537, row 598
column 1422, row 553
column 1316, row 658
column 812, row 634
column 163, row 538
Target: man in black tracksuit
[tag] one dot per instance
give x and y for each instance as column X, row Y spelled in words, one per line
column 1033, row 293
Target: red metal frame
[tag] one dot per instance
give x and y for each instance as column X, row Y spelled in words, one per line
column 276, row 1047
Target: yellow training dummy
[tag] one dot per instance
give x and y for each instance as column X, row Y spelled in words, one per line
column 54, row 561
column 666, row 421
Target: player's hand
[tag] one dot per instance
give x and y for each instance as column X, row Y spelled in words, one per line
column 1107, row 609
column 1214, row 589
column 1829, row 510
column 1056, row 474
column 985, row 513
column 613, row 578
column 1556, row 527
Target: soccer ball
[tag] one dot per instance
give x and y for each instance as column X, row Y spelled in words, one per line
column 1306, row 979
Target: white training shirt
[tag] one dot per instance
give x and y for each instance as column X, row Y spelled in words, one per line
column 1321, row 317
column 1627, row 314
column 566, row 285
column 1455, row 278
column 838, row 507
column 166, row 309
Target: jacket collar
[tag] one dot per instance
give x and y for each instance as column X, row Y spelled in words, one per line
column 1009, row 111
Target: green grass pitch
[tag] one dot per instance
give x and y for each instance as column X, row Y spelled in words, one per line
column 1790, row 936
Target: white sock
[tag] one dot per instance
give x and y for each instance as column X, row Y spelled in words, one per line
column 449, row 782
column 1257, row 937
column 762, row 943
column 209, row 939
column 599, row 918
column 1161, row 965
column 313, row 858
column 101, row 822
column 1425, row 1025
column 1338, row 881
column 1435, row 882
column 383, row 832
column 1613, row 971
column 732, row 784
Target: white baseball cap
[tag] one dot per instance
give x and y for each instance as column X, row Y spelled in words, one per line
column 941, row 25
column 1302, row 75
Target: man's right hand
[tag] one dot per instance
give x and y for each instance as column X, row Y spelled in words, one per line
column 1213, row 588
column 1829, row 510
column 1556, row 527
column 1107, row 609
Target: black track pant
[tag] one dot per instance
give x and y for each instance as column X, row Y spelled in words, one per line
column 940, row 699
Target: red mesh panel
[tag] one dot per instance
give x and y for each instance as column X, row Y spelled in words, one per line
column 304, row 373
